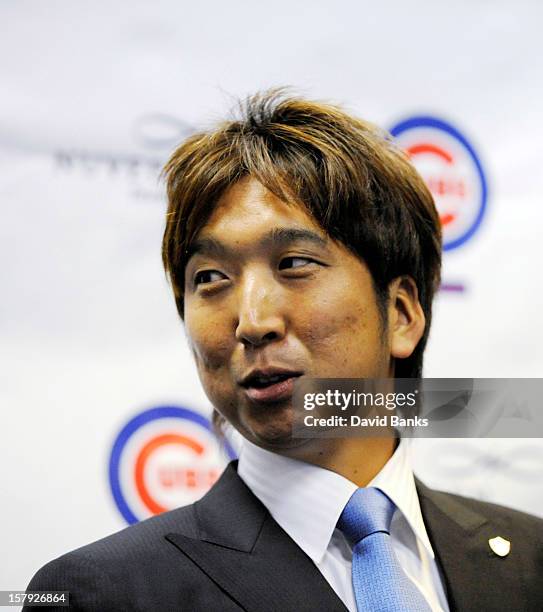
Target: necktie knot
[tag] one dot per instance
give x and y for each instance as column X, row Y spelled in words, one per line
column 368, row 511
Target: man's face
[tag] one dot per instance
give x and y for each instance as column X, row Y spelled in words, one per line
column 268, row 298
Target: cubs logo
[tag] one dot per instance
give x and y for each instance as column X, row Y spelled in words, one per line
column 163, row 458
column 452, row 171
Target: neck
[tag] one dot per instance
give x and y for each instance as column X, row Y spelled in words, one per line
column 357, row 459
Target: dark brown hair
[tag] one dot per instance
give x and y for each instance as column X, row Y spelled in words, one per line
column 348, row 174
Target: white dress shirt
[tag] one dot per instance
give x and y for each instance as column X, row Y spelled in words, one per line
column 307, row 501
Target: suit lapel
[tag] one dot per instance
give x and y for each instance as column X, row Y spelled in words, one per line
column 247, row 554
column 475, row 578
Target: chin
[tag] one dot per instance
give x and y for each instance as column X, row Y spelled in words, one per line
column 272, row 430
column 273, row 437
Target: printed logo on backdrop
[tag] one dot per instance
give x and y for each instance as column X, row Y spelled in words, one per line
column 509, row 474
column 161, row 131
column 453, row 172
column 154, row 136
column 163, row 458
column 460, row 460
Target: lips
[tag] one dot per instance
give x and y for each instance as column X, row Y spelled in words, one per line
column 270, row 384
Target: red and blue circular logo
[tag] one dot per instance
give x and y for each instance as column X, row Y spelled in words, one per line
column 452, row 171
column 164, row 458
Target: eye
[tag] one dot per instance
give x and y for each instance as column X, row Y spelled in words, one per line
column 294, row 262
column 208, row 276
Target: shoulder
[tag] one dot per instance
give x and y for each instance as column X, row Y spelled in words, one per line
column 134, row 542
column 491, row 556
column 143, row 567
column 524, row 531
column 520, row 521
column 99, row 575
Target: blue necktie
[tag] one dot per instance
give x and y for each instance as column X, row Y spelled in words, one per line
column 379, row 582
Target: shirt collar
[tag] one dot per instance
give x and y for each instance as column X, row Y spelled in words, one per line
column 397, row 481
column 307, row 500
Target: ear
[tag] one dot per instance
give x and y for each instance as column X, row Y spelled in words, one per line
column 406, row 318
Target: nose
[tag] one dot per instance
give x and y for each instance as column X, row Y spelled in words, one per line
column 260, row 320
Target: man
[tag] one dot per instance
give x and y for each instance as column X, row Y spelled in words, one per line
column 301, row 243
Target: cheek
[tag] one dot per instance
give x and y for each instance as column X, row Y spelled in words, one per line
column 209, row 342
column 212, row 348
column 344, row 335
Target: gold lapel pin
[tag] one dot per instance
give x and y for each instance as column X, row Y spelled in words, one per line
column 500, row 546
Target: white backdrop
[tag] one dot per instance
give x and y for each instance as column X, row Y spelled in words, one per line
column 93, row 101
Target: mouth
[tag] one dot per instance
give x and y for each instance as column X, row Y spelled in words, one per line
column 270, row 385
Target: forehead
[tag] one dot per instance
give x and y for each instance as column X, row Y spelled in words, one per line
column 247, row 207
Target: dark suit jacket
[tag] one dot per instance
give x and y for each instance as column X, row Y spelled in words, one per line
column 226, row 553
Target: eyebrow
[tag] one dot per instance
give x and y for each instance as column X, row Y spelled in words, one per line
column 276, row 237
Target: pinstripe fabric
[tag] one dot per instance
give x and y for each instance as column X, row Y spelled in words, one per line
column 307, row 502
column 227, row 553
